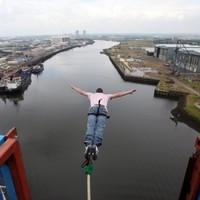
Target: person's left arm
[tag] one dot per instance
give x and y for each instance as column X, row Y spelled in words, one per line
column 121, row 94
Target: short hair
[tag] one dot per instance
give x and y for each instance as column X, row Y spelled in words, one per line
column 99, row 90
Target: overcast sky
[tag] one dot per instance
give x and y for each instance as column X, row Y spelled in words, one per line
column 31, row 17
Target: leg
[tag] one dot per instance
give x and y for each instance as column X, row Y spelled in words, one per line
column 99, row 131
column 91, row 123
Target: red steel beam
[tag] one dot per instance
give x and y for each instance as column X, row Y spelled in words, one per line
column 6, row 150
column 18, row 173
column 12, row 133
column 10, row 154
column 195, row 178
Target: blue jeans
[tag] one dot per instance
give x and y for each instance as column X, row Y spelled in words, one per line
column 95, row 125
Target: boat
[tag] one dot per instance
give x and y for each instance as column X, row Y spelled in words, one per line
column 2, row 86
column 18, row 82
column 14, row 84
column 37, row 69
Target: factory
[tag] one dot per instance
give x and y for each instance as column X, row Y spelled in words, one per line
column 185, row 57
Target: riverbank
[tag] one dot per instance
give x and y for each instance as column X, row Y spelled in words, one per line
column 167, row 86
column 46, row 56
column 13, row 80
column 167, row 89
column 187, row 111
column 130, row 78
column 34, row 56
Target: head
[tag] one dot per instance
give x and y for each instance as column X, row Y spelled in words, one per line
column 99, row 90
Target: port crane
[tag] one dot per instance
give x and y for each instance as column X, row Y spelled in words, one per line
column 179, row 45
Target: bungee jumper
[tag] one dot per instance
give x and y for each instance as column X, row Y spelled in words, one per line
column 97, row 117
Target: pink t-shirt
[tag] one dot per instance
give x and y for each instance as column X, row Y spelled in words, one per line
column 95, row 97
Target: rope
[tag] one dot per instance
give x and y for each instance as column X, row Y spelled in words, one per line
column 88, row 187
column 88, row 168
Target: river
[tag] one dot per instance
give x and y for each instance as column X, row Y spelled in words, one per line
column 144, row 154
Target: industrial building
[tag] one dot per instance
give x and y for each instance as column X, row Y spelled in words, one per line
column 165, row 52
column 188, row 60
column 185, row 57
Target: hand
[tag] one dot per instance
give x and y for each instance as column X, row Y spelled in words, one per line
column 132, row 91
column 72, row 86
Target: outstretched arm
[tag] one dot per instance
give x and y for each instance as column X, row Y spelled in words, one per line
column 80, row 91
column 121, row 94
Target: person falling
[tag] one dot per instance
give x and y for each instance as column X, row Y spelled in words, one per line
column 97, row 116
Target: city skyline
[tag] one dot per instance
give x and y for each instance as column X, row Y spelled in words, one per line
column 34, row 17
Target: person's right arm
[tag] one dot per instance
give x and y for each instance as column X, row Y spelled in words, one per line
column 121, row 94
column 79, row 90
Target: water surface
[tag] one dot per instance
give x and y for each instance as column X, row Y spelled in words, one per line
column 144, row 155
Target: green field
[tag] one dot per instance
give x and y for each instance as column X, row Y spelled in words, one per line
column 190, row 107
column 195, row 84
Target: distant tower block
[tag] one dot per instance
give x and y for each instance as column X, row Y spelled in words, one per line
column 84, row 32
column 77, row 33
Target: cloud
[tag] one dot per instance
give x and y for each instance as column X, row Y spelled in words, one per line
column 62, row 16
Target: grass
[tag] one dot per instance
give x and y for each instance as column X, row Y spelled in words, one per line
column 165, row 85
column 190, row 107
column 193, row 84
column 140, row 43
